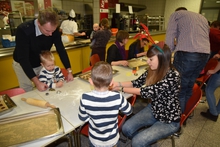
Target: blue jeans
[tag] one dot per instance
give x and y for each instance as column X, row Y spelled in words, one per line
column 189, row 66
column 91, row 145
column 156, row 130
column 213, row 84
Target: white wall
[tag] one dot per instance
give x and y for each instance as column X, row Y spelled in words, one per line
column 171, row 5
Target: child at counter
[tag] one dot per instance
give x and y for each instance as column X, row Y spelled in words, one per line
column 100, row 107
column 50, row 74
column 95, row 28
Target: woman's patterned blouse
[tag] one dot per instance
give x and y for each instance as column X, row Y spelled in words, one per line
column 164, row 96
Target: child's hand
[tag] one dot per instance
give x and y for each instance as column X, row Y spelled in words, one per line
column 59, row 84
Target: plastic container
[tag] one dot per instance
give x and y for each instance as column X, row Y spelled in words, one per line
column 114, row 31
column 7, row 43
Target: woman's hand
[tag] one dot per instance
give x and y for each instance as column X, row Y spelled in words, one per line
column 124, row 63
column 210, row 72
column 216, row 56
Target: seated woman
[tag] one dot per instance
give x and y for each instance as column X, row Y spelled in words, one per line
column 136, row 49
column 116, row 52
column 160, row 83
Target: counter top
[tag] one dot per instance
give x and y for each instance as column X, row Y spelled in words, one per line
column 76, row 44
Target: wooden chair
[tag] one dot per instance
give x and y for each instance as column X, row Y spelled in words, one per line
column 13, row 92
column 94, row 58
column 121, row 119
column 190, row 106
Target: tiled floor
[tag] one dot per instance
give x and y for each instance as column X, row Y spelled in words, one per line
column 198, row 132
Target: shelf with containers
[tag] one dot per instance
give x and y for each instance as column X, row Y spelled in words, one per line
column 155, row 23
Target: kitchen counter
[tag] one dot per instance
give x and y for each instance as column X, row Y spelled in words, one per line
column 78, row 53
column 72, row 45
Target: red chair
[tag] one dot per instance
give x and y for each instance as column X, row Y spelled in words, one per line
column 211, row 64
column 87, row 69
column 13, row 92
column 64, row 72
column 190, row 106
column 126, row 54
column 121, row 119
column 94, row 58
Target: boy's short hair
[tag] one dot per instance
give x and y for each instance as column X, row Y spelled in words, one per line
column 46, row 56
column 101, row 74
column 180, row 8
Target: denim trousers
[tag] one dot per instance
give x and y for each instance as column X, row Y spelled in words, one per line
column 151, row 129
column 213, row 84
column 189, row 65
column 91, row 145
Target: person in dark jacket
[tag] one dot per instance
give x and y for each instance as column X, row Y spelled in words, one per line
column 116, row 52
column 136, row 49
column 101, row 39
column 32, row 37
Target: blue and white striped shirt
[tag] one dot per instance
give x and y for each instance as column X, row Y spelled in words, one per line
column 191, row 31
column 101, row 110
column 51, row 77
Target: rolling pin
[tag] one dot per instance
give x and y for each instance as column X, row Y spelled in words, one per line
column 36, row 102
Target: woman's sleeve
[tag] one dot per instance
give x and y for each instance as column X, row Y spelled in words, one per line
column 131, row 52
column 170, row 83
column 111, row 54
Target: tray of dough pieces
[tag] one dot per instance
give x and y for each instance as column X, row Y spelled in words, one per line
column 137, row 62
column 85, row 76
column 29, row 127
column 6, row 104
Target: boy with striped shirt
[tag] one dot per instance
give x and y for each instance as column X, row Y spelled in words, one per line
column 100, row 107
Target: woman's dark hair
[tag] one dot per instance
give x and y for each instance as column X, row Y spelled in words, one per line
column 105, row 23
column 164, row 62
column 215, row 24
column 121, row 35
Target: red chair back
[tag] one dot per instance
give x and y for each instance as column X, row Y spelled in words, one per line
column 87, row 69
column 192, row 103
column 13, row 92
column 64, row 72
column 211, row 64
column 126, row 54
column 94, row 58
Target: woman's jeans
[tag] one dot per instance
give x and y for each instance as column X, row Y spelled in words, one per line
column 189, row 66
column 152, row 131
column 213, row 84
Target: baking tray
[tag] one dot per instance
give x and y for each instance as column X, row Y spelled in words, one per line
column 137, row 62
column 86, row 75
column 28, row 127
column 6, row 104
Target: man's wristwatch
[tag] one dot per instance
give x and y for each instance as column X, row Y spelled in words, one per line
column 69, row 71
